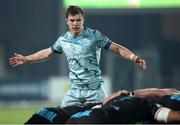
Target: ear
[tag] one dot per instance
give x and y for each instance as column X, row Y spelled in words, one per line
column 66, row 21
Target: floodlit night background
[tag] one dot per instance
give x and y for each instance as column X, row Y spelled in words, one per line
column 150, row 29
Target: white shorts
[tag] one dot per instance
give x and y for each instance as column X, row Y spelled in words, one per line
column 80, row 96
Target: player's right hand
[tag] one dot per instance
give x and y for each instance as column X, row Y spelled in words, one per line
column 17, row 59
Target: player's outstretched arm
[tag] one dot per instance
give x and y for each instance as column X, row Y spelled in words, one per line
column 41, row 55
column 124, row 52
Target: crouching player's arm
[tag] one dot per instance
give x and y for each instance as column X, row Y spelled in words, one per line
column 166, row 115
column 155, row 92
column 149, row 92
column 174, row 117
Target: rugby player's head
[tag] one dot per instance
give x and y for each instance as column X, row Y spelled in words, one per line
column 74, row 10
column 75, row 19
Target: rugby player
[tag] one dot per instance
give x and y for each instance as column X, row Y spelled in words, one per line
column 81, row 45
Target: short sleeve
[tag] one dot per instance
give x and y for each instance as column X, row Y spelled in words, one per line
column 102, row 40
column 56, row 47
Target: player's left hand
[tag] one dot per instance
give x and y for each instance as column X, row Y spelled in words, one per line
column 170, row 91
column 114, row 95
column 141, row 62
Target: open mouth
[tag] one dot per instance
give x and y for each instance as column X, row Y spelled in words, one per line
column 75, row 28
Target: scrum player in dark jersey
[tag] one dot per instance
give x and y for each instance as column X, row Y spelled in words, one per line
column 124, row 108
column 134, row 107
column 56, row 115
column 173, row 103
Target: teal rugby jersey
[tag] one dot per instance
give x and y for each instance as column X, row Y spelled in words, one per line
column 83, row 55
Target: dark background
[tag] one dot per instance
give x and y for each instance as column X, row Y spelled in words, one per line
column 27, row 26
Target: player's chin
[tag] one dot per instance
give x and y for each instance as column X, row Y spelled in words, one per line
column 76, row 31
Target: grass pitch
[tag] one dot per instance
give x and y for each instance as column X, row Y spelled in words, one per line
column 15, row 115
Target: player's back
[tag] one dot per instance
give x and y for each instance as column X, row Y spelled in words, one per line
column 56, row 115
column 170, row 101
column 129, row 109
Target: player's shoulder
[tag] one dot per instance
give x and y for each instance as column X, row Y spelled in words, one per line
column 90, row 31
column 171, row 101
column 63, row 36
column 172, row 96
